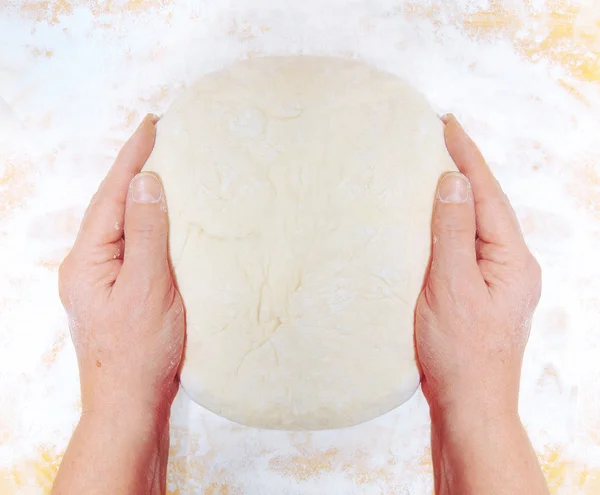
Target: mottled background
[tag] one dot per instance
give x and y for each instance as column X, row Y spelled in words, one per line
column 77, row 76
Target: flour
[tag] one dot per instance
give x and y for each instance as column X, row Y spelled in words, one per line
column 78, row 82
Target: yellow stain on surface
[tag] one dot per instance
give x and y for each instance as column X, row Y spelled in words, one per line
column 555, row 468
column 14, row 187
column 131, row 118
column 562, row 32
column 574, row 91
column 59, row 343
column 570, row 37
column 588, row 481
column 5, row 434
column 40, row 52
column 53, row 259
column 183, row 467
column 46, row 468
column 141, row 5
column 550, row 377
column 157, row 96
column 27, row 475
column 426, row 462
column 242, row 30
column 585, row 187
column 573, row 41
column 50, row 11
column 358, row 467
column 307, row 464
column 219, row 489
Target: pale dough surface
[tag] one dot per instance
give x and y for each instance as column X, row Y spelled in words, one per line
column 300, row 192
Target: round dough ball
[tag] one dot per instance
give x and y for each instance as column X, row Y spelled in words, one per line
column 300, row 192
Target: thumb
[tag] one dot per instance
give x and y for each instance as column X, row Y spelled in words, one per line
column 146, row 225
column 453, row 228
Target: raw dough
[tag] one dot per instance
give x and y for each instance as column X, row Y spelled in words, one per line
column 299, row 192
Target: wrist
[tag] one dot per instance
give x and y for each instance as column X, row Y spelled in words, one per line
column 465, row 422
column 482, row 450
column 138, row 434
column 127, row 446
column 127, row 402
column 474, row 412
column 480, row 402
column 126, row 416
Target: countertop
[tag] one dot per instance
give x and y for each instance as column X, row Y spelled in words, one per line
column 76, row 77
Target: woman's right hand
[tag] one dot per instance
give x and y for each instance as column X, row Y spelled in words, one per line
column 472, row 324
column 474, row 315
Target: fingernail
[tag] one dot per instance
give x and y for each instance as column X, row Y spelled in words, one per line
column 149, row 117
column 454, row 188
column 146, row 188
column 447, row 117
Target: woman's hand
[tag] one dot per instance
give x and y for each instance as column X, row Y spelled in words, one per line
column 472, row 323
column 474, row 314
column 127, row 323
column 125, row 313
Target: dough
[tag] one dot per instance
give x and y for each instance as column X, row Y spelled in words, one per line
column 299, row 192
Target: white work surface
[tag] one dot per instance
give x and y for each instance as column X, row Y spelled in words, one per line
column 76, row 77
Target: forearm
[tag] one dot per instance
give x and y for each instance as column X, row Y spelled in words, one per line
column 479, row 454
column 121, row 453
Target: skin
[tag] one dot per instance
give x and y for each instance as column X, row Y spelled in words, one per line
column 472, row 323
column 127, row 323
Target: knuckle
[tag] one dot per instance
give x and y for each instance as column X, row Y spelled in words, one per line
column 453, row 228
column 65, row 279
column 149, row 229
column 457, row 232
column 179, row 315
column 423, row 311
column 430, row 297
column 170, row 297
column 96, row 201
column 534, row 273
column 530, row 269
column 65, row 270
column 526, row 277
column 535, row 268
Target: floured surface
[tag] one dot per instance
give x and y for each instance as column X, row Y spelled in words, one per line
column 524, row 78
column 300, row 193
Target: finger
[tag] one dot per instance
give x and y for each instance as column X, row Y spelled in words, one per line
column 103, row 221
column 146, row 227
column 496, row 220
column 453, row 230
